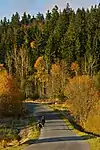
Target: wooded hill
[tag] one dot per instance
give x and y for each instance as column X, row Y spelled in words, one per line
column 55, row 57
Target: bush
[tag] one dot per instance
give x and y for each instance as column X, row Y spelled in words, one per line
column 93, row 120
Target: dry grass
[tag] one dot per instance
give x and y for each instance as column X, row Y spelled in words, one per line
column 94, row 144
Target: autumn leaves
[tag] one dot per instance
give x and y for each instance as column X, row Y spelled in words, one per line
column 10, row 96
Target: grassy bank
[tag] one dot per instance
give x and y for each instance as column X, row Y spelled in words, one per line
column 18, row 137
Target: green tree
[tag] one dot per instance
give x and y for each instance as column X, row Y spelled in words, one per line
column 69, row 43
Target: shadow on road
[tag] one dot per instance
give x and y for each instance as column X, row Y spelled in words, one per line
column 39, row 110
column 62, row 129
column 58, row 139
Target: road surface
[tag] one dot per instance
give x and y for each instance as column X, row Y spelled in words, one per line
column 55, row 135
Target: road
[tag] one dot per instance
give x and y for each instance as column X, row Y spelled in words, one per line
column 55, row 135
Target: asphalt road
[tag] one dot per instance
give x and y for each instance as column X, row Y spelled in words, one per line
column 55, row 135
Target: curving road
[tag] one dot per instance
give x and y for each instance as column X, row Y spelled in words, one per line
column 55, row 135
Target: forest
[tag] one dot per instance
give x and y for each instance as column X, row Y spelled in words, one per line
column 53, row 57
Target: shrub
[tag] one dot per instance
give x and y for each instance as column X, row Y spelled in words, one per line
column 93, row 120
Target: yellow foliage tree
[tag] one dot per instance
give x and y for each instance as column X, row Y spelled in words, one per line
column 83, row 96
column 40, row 67
column 41, row 74
column 56, row 80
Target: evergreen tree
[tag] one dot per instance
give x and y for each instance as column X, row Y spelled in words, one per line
column 15, row 20
column 68, row 45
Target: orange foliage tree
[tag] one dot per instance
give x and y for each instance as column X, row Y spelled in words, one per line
column 10, row 96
